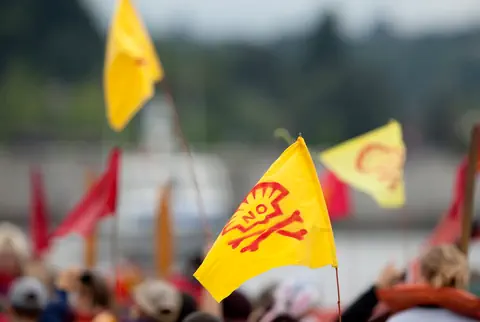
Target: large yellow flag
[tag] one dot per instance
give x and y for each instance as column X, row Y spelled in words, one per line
column 163, row 240
column 372, row 163
column 131, row 67
column 282, row 221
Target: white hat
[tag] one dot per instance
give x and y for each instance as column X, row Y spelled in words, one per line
column 294, row 298
column 28, row 293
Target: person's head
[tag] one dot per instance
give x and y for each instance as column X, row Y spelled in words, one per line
column 27, row 299
column 266, row 298
column 13, row 249
column 284, row 318
column 201, row 317
column 92, row 293
column 42, row 272
column 236, row 307
column 291, row 300
column 157, row 300
column 193, row 264
column 444, row 266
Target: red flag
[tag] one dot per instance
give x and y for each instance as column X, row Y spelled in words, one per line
column 100, row 201
column 38, row 215
column 458, row 192
column 336, row 194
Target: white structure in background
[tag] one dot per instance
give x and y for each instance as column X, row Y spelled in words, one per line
column 143, row 174
column 157, row 127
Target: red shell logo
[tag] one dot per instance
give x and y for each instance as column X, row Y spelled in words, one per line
column 382, row 161
column 253, row 215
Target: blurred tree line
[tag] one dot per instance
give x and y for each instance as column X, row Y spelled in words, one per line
column 320, row 83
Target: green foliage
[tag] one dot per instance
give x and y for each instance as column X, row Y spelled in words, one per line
column 318, row 83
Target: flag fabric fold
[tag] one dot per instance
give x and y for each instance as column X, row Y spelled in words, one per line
column 131, row 66
column 39, row 221
column 459, row 189
column 372, row 163
column 337, row 196
column 100, row 201
column 163, row 238
column 282, row 221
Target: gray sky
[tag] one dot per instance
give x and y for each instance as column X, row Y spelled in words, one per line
column 264, row 19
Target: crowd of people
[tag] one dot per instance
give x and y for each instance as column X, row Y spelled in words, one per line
column 31, row 291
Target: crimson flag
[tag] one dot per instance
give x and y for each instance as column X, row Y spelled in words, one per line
column 38, row 215
column 99, row 202
column 337, row 196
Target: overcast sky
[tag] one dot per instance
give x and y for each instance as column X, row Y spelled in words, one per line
column 264, row 19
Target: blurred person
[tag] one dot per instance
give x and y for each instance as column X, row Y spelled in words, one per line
column 185, row 281
column 91, row 299
column 27, row 299
column 42, row 272
column 236, row 307
column 158, row 301
column 58, row 308
column 444, row 274
column 291, row 302
column 263, row 303
column 201, row 317
column 363, row 307
column 191, row 286
column 13, row 254
column 265, row 298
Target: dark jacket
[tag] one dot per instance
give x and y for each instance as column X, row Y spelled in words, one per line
column 362, row 308
column 58, row 310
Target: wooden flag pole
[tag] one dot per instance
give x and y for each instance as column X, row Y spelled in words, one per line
column 163, row 238
column 201, row 206
column 468, row 203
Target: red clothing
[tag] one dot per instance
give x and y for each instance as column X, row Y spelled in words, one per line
column 83, row 317
column 188, row 286
column 3, row 318
column 325, row 315
column 5, row 281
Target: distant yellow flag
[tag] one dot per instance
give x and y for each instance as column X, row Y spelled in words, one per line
column 372, row 163
column 282, row 221
column 131, row 67
column 163, row 239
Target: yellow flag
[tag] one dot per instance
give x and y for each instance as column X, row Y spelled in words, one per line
column 163, row 241
column 372, row 163
column 282, row 221
column 131, row 67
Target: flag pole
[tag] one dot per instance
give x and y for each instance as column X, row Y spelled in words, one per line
column 178, row 127
column 339, row 305
column 468, row 204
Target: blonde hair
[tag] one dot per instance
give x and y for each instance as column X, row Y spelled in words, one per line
column 445, row 266
column 13, row 240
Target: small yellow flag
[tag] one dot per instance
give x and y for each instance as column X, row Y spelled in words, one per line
column 282, row 221
column 372, row 163
column 131, row 67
